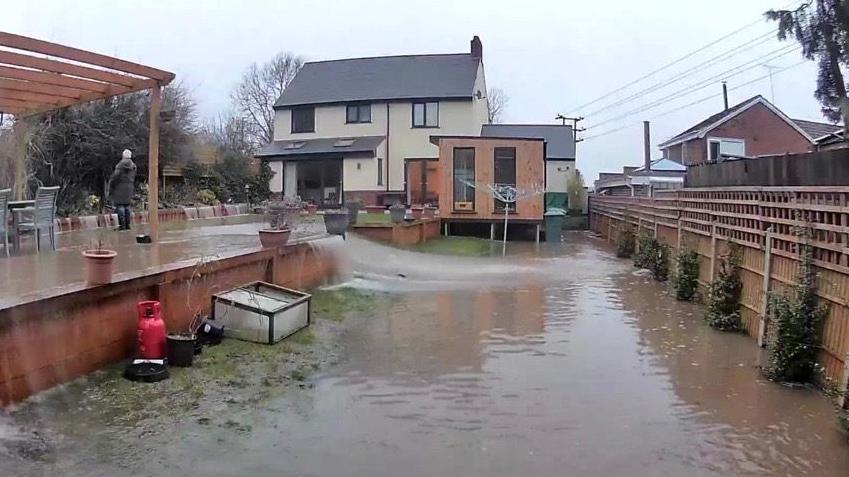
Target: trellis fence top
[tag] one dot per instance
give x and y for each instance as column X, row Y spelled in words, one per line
column 38, row 76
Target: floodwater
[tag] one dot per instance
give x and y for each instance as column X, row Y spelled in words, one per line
column 557, row 360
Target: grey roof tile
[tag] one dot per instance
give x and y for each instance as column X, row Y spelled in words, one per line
column 318, row 147
column 560, row 142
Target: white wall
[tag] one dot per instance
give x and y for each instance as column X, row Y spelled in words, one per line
column 558, row 174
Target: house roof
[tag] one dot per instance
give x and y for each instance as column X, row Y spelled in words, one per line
column 712, row 122
column 663, row 165
column 383, row 78
column 816, row 129
column 305, row 148
column 560, row 140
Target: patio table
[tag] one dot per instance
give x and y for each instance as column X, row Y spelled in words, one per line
column 13, row 206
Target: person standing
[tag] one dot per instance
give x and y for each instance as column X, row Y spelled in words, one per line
column 121, row 188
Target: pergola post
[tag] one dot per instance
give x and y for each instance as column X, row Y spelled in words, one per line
column 153, row 163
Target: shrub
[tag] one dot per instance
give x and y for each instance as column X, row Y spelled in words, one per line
column 660, row 262
column 647, row 249
column 795, row 333
column 687, row 274
column 724, row 294
column 626, row 242
column 207, row 197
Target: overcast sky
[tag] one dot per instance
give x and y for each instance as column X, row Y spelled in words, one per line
column 548, row 57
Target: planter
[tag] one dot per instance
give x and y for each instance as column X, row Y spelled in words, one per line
column 417, row 212
column 181, row 349
column 273, row 238
column 99, row 266
column 261, row 312
column 312, row 209
column 429, row 212
column 397, row 213
column 375, row 209
column 336, row 222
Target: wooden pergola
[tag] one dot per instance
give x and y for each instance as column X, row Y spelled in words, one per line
column 38, row 76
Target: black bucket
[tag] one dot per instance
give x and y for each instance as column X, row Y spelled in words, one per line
column 146, row 372
column 210, row 332
column 181, row 349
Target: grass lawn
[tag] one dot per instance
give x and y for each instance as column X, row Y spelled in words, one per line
column 464, row 246
column 370, row 218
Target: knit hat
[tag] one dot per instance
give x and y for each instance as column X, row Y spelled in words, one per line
column 127, row 154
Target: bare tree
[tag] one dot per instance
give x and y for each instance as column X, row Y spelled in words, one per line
column 496, row 103
column 229, row 132
column 259, row 89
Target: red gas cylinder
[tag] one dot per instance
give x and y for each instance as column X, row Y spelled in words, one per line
column 151, row 331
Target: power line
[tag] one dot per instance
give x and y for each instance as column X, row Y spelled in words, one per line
column 673, row 63
column 702, row 100
column 690, row 89
column 746, row 46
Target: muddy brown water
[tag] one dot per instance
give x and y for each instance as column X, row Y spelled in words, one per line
column 553, row 361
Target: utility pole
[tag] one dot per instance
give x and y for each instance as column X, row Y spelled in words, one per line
column 771, row 68
column 575, row 129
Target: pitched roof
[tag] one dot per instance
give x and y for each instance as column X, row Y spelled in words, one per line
column 702, row 128
column 816, row 129
column 383, row 78
column 560, row 141
column 664, row 165
column 304, row 148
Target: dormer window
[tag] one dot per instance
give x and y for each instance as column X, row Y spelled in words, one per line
column 358, row 113
column 303, row 119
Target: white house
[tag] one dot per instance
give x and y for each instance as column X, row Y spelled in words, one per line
column 359, row 129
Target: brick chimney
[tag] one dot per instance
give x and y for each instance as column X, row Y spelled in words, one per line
column 476, row 47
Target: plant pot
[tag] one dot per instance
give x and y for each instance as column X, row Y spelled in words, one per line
column 353, row 209
column 181, row 349
column 274, row 238
column 336, row 222
column 312, row 209
column 417, row 212
column 99, row 266
column 375, row 209
column 429, row 212
column 397, row 213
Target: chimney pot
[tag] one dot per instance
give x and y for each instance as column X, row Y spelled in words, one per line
column 647, row 145
column 476, row 48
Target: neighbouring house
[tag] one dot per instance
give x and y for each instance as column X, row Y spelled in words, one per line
column 752, row 128
column 359, row 129
column 641, row 181
column 469, row 165
column 833, row 140
column 559, row 155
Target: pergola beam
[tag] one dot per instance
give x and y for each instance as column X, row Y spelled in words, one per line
column 32, row 84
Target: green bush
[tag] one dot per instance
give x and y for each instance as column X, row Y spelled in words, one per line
column 660, row 263
column 724, row 294
column 207, row 197
column 795, row 321
column 646, row 250
column 626, row 242
column 687, row 274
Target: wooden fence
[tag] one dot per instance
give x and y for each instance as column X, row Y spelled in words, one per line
column 762, row 220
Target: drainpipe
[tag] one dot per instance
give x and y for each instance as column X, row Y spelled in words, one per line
column 387, row 146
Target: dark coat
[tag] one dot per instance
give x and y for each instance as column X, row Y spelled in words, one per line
column 122, row 183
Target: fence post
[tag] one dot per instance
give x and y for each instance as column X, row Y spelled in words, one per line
column 712, row 249
column 680, row 234
column 765, row 289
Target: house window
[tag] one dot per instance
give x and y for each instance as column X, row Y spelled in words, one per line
column 379, row 171
column 464, row 178
column 426, row 115
column 720, row 147
column 303, row 120
column 504, row 165
column 358, row 113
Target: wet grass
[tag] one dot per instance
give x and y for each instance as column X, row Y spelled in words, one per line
column 373, row 218
column 460, row 246
column 337, row 303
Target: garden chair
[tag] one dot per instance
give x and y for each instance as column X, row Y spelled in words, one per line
column 5, row 194
column 40, row 217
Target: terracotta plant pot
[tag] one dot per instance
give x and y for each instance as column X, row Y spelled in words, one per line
column 312, row 209
column 99, row 266
column 274, row 238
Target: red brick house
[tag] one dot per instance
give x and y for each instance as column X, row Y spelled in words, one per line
column 752, row 128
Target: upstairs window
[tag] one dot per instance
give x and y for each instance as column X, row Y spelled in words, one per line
column 426, row 115
column 358, row 113
column 303, row 120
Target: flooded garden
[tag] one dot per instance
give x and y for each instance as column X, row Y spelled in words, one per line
column 559, row 359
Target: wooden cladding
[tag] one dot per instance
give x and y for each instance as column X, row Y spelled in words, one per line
column 764, row 221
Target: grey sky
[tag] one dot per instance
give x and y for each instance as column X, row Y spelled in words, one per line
column 548, row 56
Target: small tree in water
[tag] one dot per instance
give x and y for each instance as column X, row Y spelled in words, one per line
column 687, row 274
column 724, row 294
column 795, row 326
